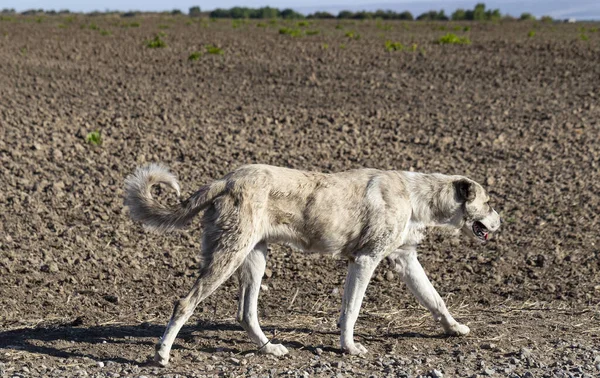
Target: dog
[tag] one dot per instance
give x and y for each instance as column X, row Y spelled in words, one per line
column 363, row 215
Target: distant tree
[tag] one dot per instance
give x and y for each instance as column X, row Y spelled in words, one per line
column 459, row 15
column 406, row 15
column 345, row 14
column 220, row 13
column 175, row 12
column 265, row 12
column 8, row 10
column 493, row 15
column 526, row 16
column 290, row 14
column 321, row 15
column 194, row 11
column 362, row 15
column 479, row 12
column 239, row 12
column 433, row 16
column 546, row 19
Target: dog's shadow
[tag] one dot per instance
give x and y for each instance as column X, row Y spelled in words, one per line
column 39, row 340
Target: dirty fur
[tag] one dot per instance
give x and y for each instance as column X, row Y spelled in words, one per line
column 364, row 215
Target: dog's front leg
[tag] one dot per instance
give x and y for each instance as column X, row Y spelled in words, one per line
column 359, row 273
column 414, row 276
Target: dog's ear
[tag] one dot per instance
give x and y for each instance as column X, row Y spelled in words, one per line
column 465, row 190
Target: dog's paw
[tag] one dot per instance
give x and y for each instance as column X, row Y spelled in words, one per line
column 274, row 349
column 161, row 361
column 355, row 350
column 458, row 330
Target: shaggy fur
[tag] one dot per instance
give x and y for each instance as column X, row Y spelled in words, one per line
column 364, row 215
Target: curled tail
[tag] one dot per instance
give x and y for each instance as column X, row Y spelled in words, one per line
column 157, row 216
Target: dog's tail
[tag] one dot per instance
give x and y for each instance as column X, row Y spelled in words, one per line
column 159, row 217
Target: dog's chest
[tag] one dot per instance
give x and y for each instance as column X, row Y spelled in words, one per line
column 414, row 233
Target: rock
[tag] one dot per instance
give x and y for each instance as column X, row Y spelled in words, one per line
column 234, row 360
column 100, row 364
column 436, row 374
column 318, row 351
column 488, row 346
column 525, row 353
column 489, row 371
column 389, row 275
column 268, row 273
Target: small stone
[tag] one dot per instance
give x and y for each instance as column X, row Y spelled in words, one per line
column 525, row 353
column 389, row 275
column 488, row 346
column 234, row 360
column 490, row 181
column 268, row 273
column 339, row 364
column 50, row 268
column 100, row 364
column 489, row 371
column 25, row 369
column 514, row 361
column 436, row 374
column 318, row 351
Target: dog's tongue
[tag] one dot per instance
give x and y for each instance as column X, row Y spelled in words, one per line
column 486, row 235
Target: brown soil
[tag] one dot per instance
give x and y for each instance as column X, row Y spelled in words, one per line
column 85, row 291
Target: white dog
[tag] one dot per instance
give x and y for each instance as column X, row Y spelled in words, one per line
column 365, row 215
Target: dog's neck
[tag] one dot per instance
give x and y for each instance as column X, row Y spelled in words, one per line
column 432, row 200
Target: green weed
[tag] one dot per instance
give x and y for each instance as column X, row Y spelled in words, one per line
column 291, row 32
column 453, row 39
column 393, row 46
column 104, row 32
column 156, row 43
column 531, row 34
column 93, row 26
column 163, row 27
column 302, row 24
column 352, row 35
column 312, row 32
column 195, row 56
column 261, row 25
column 584, row 37
column 214, row 50
column 324, row 46
column 94, row 138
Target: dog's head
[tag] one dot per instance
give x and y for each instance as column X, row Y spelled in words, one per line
column 479, row 219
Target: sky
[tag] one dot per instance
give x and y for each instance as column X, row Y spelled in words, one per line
column 579, row 9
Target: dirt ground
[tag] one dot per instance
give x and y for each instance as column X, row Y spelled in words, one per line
column 86, row 292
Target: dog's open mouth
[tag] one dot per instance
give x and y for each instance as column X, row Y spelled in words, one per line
column 480, row 231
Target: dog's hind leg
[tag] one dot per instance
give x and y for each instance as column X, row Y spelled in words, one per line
column 225, row 256
column 359, row 273
column 250, row 276
column 414, row 276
